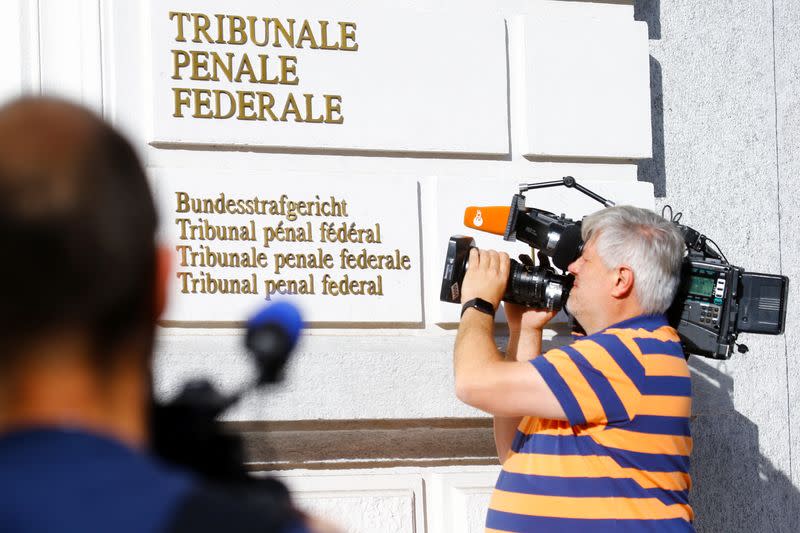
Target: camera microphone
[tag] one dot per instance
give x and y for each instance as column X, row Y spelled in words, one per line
column 557, row 237
column 491, row 218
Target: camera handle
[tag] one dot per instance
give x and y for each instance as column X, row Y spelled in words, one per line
column 695, row 241
column 568, row 182
column 528, row 262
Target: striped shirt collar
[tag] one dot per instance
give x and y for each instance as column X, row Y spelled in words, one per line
column 646, row 322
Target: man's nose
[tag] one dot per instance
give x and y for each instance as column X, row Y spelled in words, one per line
column 572, row 268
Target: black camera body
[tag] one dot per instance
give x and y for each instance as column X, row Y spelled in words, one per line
column 715, row 300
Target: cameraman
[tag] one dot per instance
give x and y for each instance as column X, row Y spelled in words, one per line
column 83, row 284
column 593, row 435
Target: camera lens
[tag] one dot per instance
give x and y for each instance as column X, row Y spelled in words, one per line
column 537, row 287
column 528, row 285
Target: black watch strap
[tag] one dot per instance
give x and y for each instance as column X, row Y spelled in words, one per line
column 480, row 304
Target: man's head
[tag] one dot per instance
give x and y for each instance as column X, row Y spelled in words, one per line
column 630, row 265
column 77, row 229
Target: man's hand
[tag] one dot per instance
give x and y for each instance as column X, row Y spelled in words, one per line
column 486, row 277
column 521, row 318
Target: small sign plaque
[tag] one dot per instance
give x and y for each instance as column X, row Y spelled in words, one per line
column 326, row 243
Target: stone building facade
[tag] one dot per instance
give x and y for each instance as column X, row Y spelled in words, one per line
column 410, row 113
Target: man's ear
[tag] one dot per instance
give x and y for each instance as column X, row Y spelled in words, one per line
column 623, row 283
column 163, row 271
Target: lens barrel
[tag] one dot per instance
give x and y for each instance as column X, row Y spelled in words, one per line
column 539, row 287
column 532, row 286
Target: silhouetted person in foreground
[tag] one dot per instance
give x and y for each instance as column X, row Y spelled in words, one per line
column 83, row 283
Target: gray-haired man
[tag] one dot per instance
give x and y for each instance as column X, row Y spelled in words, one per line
column 594, row 434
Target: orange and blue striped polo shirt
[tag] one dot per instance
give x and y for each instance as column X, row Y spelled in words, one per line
column 621, row 462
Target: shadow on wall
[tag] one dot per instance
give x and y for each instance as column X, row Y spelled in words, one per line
column 736, row 489
column 649, row 11
column 654, row 170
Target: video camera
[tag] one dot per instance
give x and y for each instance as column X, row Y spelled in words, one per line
column 715, row 300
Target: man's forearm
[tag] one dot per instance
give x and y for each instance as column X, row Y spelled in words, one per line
column 474, row 348
column 529, row 345
column 520, row 348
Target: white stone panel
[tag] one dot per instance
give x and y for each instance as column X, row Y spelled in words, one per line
column 19, row 48
column 11, row 47
column 342, row 247
column 587, row 88
column 332, row 376
column 418, row 81
column 454, row 195
column 389, row 503
column 459, row 499
column 70, row 50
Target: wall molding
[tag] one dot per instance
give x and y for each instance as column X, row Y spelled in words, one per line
column 347, row 444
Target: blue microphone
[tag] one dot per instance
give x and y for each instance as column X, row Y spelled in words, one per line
column 272, row 334
column 186, row 431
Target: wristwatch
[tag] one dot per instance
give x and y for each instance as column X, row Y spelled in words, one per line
column 480, row 304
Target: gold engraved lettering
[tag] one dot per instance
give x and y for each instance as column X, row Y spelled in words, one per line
column 237, row 27
column 348, row 33
column 265, row 103
column 201, row 25
column 180, row 59
column 347, row 287
column 204, row 231
column 289, row 66
column 181, row 101
column 318, row 259
column 211, row 66
column 310, row 112
column 282, row 31
column 217, row 64
column 207, row 257
column 252, row 31
column 220, row 36
column 283, row 233
column 199, row 62
column 291, row 286
column 323, row 28
column 218, row 103
column 263, row 64
column 202, row 101
column 182, row 200
column 333, row 111
column 367, row 261
column 205, row 283
column 178, row 16
column 263, row 31
column 246, row 104
column 291, row 107
column 245, row 67
column 306, row 34
column 342, row 233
